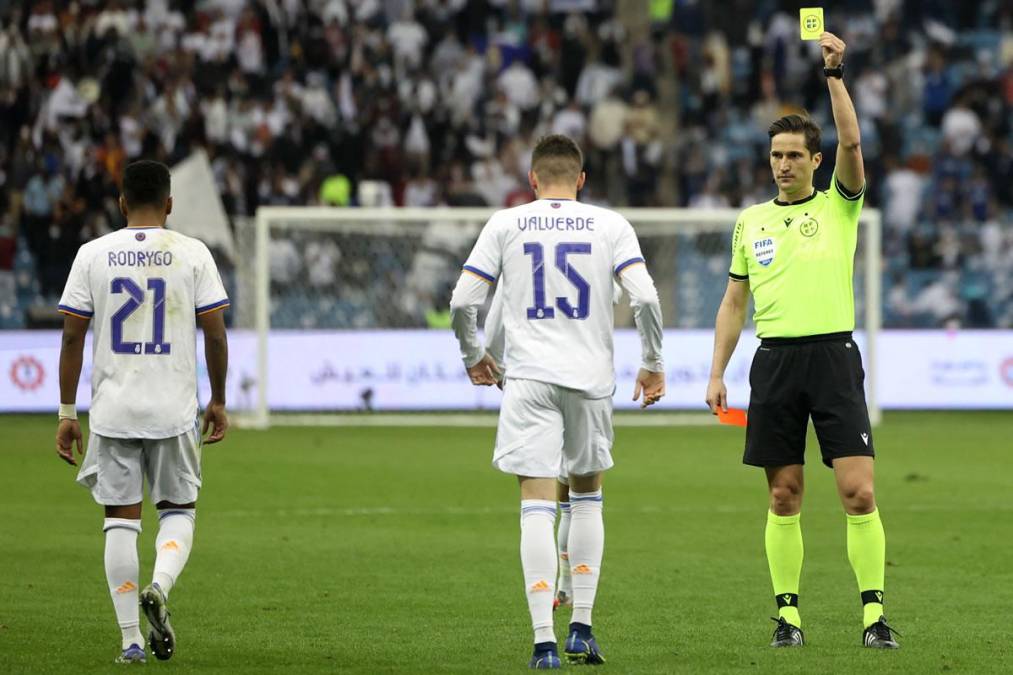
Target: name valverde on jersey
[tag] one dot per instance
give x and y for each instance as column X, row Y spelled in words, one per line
column 562, row 223
column 555, row 261
column 142, row 288
column 799, row 259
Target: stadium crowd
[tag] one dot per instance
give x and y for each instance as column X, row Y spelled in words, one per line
column 429, row 102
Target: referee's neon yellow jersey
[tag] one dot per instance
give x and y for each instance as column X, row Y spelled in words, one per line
column 799, row 259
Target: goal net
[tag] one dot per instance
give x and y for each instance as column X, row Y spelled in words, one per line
column 346, row 310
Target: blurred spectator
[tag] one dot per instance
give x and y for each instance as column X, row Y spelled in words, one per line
column 961, row 128
column 570, row 121
column 519, row 85
column 641, row 151
column 937, row 92
column 903, row 195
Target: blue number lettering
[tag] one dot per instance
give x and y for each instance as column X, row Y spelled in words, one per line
column 540, row 310
column 158, row 345
column 136, row 299
column 579, row 282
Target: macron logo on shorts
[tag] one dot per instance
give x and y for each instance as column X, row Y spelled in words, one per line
column 865, row 438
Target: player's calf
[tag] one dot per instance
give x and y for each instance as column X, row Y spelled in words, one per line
column 121, row 566
column 564, row 586
column 172, row 544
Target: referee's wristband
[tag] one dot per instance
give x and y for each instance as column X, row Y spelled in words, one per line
column 68, row 411
column 837, row 72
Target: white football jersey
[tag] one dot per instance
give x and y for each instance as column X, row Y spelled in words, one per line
column 556, row 260
column 142, row 288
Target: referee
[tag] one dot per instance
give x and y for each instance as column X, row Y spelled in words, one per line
column 796, row 254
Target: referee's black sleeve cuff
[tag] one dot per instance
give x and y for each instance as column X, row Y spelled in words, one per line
column 738, row 277
column 850, row 196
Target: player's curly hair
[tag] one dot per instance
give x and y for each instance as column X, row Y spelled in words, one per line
column 557, row 159
column 799, row 124
column 146, row 183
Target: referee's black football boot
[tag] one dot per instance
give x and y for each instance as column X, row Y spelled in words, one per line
column 880, row 636
column 787, row 635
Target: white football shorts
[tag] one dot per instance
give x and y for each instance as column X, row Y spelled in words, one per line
column 114, row 469
column 546, row 430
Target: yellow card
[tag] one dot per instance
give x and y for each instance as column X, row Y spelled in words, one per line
column 810, row 21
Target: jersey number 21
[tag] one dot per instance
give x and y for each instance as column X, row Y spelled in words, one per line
column 158, row 345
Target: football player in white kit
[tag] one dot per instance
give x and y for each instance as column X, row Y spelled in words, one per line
column 556, row 259
column 495, row 344
column 141, row 288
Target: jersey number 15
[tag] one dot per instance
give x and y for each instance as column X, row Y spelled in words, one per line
column 539, row 310
column 158, row 345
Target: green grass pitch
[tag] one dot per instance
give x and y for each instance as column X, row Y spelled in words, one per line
column 396, row 550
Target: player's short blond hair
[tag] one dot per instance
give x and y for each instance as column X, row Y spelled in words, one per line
column 557, row 159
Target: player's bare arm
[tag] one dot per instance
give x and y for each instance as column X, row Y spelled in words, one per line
column 216, row 352
column 68, row 431
column 849, row 168
column 727, row 329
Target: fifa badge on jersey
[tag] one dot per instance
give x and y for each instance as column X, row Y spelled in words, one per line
column 763, row 251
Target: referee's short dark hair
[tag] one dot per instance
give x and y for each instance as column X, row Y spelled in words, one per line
column 799, row 124
column 557, row 159
column 146, row 183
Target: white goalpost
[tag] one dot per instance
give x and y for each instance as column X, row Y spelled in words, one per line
column 330, row 284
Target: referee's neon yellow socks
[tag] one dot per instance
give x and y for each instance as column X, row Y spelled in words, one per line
column 867, row 553
column 783, row 540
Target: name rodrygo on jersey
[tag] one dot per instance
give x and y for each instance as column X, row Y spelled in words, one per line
column 141, row 287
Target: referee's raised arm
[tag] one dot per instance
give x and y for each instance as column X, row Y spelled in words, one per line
column 849, row 168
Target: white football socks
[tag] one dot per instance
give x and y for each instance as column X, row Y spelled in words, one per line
column 122, row 574
column 172, row 546
column 587, row 543
column 562, row 543
column 538, row 559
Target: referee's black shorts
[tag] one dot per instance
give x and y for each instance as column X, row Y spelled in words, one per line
column 792, row 379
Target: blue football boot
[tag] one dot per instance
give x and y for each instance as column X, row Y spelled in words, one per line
column 132, row 654
column 545, row 657
column 581, row 647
